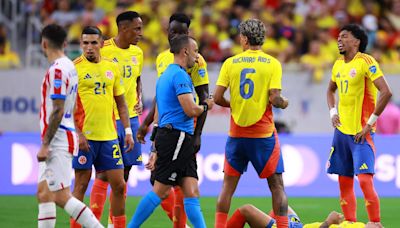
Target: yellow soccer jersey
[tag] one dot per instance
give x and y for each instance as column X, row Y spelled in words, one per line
column 198, row 72
column 344, row 224
column 130, row 63
column 98, row 83
column 357, row 93
column 249, row 76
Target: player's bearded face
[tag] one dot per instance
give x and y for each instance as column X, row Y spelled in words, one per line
column 91, row 44
column 193, row 53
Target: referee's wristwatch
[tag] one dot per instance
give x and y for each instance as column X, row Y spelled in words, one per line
column 205, row 107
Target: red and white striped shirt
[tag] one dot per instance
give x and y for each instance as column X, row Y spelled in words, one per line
column 60, row 82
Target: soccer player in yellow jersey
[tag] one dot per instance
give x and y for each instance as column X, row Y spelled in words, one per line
column 122, row 50
column 254, row 82
column 179, row 24
column 100, row 86
column 358, row 77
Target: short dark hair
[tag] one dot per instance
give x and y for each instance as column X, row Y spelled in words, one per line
column 359, row 33
column 180, row 17
column 55, row 34
column 89, row 30
column 178, row 42
column 127, row 16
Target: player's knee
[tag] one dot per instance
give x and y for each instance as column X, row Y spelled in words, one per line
column 43, row 196
column 245, row 209
column 365, row 181
column 118, row 188
column 80, row 187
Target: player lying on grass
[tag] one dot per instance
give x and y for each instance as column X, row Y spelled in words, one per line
column 256, row 218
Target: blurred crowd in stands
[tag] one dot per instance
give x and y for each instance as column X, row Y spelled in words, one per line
column 302, row 31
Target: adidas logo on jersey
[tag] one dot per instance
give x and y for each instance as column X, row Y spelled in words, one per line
column 115, row 60
column 87, row 76
column 363, row 166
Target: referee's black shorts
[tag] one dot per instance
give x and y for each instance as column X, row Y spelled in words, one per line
column 176, row 157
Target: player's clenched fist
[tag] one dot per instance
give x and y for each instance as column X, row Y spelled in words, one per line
column 83, row 143
column 210, row 103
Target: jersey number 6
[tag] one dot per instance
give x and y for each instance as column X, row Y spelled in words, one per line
column 246, row 94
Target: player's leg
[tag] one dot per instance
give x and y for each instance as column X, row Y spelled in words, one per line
column 193, row 211
column 168, row 203
column 109, row 161
column 117, row 183
column 235, row 164
column 179, row 214
column 265, row 155
column 148, row 203
column 341, row 162
column 364, row 162
column 98, row 195
column 58, row 176
column 47, row 207
column 82, row 164
column 250, row 214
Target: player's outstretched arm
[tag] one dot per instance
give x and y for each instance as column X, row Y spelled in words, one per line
column 219, row 97
column 330, row 97
column 277, row 100
column 54, row 122
column 203, row 93
column 333, row 218
column 124, row 116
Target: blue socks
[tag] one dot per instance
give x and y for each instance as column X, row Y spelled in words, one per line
column 145, row 209
column 193, row 212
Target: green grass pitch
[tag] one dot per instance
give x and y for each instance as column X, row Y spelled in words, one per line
column 21, row 211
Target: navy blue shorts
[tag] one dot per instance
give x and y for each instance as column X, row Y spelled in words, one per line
column 133, row 157
column 348, row 158
column 104, row 155
column 263, row 153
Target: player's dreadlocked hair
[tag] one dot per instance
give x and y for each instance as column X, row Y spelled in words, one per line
column 180, row 17
column 359, row 33
column 254, row 30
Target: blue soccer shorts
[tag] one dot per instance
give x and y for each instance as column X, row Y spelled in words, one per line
column 104, row 155
column 294, row 222
column 348, row 158
column 133, row 157
column 263, row 153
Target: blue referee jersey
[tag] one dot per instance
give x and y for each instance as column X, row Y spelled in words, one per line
column 173, row 82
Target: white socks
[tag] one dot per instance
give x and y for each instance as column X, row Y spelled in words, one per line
column 81, row 213
column 47, row 215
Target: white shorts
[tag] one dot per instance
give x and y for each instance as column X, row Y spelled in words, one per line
column 57, row 169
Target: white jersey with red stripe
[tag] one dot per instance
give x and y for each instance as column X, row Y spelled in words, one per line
column 60, row 82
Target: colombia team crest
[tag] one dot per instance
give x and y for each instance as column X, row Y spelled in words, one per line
column 109, row 74
column 134, row 60
column 353, row 73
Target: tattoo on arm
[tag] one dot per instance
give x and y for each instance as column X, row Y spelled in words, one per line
column 54, row 121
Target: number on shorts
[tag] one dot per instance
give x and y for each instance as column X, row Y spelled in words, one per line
column 116, row 151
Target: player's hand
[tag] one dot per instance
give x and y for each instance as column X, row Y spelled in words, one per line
column 83, row 143
column 43, row 153
column 336, row 121
column 334, row 218
column 151, row 165
column 197, row 143
column 210, row 102
column 141, row 133
column 285, row 102
column 129, row 143
column 139, row 108
column 360, row 137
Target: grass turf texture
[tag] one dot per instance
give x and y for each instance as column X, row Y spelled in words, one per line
column 21, row 211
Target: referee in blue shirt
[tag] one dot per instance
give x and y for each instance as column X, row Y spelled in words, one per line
column 176, row 161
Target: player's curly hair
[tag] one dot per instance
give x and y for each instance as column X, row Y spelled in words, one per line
column 254, row 30
column 359, row 33
column 180, row 17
